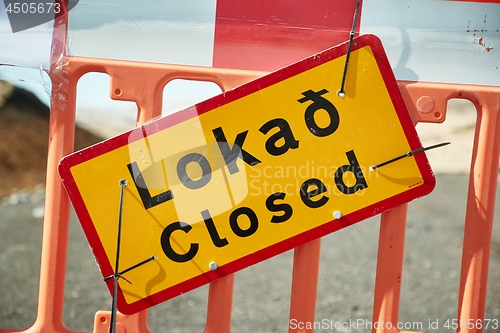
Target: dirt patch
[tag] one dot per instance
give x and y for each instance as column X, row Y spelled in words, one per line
column 24, row 128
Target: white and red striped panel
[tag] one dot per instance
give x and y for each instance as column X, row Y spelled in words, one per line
column 426, row 40
column 257, row 34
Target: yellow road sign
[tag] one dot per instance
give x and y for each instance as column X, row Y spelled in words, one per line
column 248, row 174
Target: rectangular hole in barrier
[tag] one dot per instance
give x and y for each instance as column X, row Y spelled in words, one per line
column 24, row 124
column 184, row 313
column 493, row 292
column 20, row 244
column 179, row 94
column 435, row 228
column 433, row 251
column 347, row 277
column 261, row 301
column 97, row 113
column 85, row 291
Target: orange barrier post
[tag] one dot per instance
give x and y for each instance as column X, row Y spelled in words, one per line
column 56, row 220
column 220, row 301
column 389, row 268
column 479, row 214
column 304, row 283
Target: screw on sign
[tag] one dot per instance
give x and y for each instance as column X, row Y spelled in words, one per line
column 250, row 173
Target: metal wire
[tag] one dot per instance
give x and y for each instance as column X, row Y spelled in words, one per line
column 341, row 92
column 116, row 276
column 408, row 154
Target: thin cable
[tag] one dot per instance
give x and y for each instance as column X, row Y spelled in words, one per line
column 120, row 274
column 341, row 92
column 408, row 154
column 116, row 276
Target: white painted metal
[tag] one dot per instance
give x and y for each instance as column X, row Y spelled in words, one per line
column 438, row 41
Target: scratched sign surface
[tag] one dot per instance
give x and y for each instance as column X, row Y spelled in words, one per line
column 248, row 174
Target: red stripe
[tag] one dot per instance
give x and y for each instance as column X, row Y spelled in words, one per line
column 489, row 1
column 267, row 35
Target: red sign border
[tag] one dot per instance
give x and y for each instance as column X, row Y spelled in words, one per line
column 265, row 81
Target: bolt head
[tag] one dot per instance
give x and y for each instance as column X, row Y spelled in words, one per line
column 213, row 266
column 337, row 215
column 425, row 104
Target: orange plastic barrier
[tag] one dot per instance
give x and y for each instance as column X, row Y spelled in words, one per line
column 143, row 83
